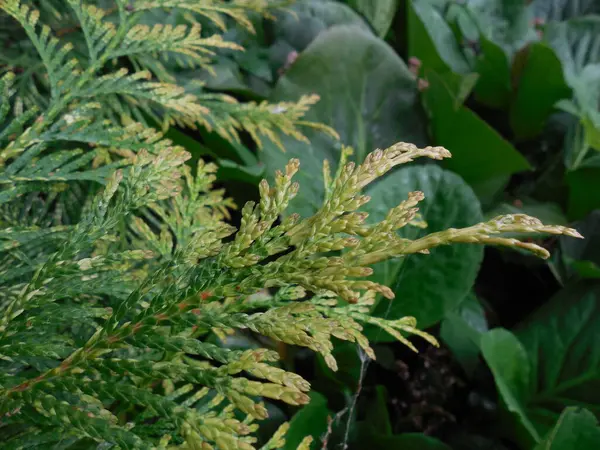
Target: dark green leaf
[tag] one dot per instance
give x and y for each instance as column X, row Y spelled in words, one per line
column 427, row 286
column 431, row 39
column 479, row 153
column 552, row 361
column 377, row 413
column 576, row 428
column 493, row 86
column 229, row 170
column 511, row 368
column 583, row 255
column 584, row 191
column 461, row 330
column 311, row 420
column 540, row 85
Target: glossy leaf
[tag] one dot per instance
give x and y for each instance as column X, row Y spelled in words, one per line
column 479, row 153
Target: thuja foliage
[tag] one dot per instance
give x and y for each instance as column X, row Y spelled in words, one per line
column 116, row 259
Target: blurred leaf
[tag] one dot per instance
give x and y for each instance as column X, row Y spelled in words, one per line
column 228, row 170
column 367, row 95
column 196, row 149
column 479, row 153
column 431, row 39
column 586, row 269
column 552, row 361
column 504, row 22
column 584, row 191
column 540, row 85
column 380, row 13
column 493, row 86
column 311, row 420
column 346, row 378
column 377, row 413
column 583, row 255
column 235, row 151
column 576, row 428
column 427, row 286
column 295, row 30
column 461, row 330
column 558, row 10
column 577, row 45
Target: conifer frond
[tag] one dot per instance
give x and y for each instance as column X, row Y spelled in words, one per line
column 184, row 43
column 61, row 70
column 264, row 119
column 98, row 33
column 200, row 284
column 216, row 10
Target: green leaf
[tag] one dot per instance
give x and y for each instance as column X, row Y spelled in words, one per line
column 427, row 286
column 493, row 86
column 584, row 191
column 431, row 39
column 511, row 368
column 380, row 13
column 311, row 420
column 367, row 95
column 310, row 18
column 228, row 170
column 540, row 85
column 576, row 428
column 552, row 361
column 461, row 330
column 347, row 377
column 479, row 153
column 561, row 340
